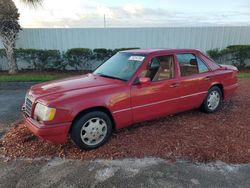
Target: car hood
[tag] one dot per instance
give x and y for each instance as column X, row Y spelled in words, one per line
column 69, row 84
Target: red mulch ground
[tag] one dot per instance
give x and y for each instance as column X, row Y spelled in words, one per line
column 192, row 135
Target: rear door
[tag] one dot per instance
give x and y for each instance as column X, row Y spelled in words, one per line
column 192, row 91
column 206, row 77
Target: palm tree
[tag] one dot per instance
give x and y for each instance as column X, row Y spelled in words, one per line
column 34, row 3
column 9, row 29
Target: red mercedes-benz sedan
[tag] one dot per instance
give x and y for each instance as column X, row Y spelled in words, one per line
column 132, row 86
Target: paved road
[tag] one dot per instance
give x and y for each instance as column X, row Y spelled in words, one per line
column 148, row 172
column 11, row 100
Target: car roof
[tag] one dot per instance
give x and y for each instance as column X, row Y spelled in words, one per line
column 153, row 51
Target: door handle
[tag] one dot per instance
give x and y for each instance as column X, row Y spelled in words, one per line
column 207, row 78
column 174, row 85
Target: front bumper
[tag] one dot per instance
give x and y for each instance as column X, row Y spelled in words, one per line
column 56, row 133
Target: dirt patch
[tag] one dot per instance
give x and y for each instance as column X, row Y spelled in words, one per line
column 192, row 135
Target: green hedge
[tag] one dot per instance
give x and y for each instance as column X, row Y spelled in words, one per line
column 40, row 59
column 122, row 49
column 237, row 54
column 102, row 54
column 79, row 58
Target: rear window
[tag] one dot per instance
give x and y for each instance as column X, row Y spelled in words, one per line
column 210, row 62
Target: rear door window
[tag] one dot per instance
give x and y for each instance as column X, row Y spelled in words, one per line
column 191, row 64
column 188, row 64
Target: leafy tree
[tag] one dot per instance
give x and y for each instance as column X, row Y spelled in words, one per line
column 237, row 54
column 9, row 29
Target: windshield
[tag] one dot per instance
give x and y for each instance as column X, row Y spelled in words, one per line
column 121, row 66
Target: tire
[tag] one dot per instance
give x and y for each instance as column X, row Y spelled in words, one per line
column 213, row 100
column 91, row 130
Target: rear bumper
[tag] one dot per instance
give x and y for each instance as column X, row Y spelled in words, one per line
column 229, row 90
column 56, row 133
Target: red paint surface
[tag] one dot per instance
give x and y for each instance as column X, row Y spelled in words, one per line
column 128, row 103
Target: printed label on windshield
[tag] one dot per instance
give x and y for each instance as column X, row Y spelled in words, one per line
column 136, row 58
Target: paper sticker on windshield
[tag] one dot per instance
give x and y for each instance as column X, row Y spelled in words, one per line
column 136, row 58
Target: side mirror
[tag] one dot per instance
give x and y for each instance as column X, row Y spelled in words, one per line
column 144, row 80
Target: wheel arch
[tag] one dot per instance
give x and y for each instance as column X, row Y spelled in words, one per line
column 219, row 85
column 97, row 108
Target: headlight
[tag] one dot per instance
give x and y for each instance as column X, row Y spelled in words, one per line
column 44, row 113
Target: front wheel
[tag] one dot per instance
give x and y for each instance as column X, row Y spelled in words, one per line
column 213, row 100
column 92, row 130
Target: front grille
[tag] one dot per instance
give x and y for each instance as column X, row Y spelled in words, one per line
column 28, row 107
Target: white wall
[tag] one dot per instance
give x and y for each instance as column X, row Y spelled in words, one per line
column 203, row 38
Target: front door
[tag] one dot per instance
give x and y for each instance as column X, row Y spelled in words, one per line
column 159, row 96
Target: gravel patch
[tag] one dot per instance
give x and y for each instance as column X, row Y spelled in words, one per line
column 192, row 135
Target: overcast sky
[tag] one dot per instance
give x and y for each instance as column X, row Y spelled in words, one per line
column 135, row 13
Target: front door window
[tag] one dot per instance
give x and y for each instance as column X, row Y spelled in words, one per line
column 160, row 68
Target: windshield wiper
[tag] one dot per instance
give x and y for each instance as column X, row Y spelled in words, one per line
column 112, row 77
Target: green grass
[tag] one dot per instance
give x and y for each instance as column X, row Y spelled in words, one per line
column 28, row 78
column 244, row 75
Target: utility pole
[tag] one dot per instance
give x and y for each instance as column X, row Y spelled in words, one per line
column 104, row 21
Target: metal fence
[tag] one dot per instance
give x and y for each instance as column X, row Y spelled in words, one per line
column 203, row 38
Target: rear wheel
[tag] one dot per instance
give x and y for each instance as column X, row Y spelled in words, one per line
column 213, row 100
column 92, row 130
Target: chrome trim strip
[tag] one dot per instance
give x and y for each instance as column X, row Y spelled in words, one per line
column 193, row 94
column 122, row 110
column 159, row 102
column 150, row 104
